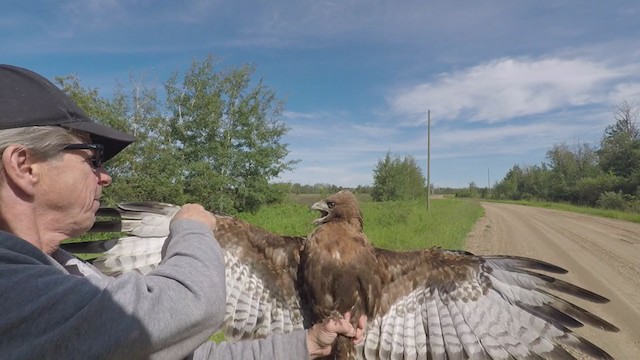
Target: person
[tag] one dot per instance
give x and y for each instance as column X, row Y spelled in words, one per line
column 57, row 307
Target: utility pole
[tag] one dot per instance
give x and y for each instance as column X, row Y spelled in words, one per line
column 428, row 160
column 488, row 181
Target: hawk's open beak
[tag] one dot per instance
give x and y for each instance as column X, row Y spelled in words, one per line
column 324, row 211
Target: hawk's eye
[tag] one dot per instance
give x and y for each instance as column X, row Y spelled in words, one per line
column 331, row 204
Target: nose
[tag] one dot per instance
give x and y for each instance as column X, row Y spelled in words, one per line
column 104, row 179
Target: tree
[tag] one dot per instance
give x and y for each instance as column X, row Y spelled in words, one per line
column 215, row 140
column 626, row 116
column 620, row 147
column 397, row 179
column 567, row 167
column 583, row 174
column 228, row 132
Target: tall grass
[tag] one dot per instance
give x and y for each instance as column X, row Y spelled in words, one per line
column 290, row 218
column 397, row 225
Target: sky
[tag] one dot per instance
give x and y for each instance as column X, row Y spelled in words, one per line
column 503, row 80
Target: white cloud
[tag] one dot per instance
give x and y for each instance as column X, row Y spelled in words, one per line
column 293, row 115
column 509, row 88
column 625, row 91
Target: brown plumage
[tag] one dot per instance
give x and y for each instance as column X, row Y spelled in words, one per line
column 431, row 303
column 340, row 269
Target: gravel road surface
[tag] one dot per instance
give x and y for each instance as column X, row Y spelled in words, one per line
column 602, row 255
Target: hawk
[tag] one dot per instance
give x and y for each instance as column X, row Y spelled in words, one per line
column 421, row 304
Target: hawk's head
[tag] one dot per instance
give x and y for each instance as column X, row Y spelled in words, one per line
column 340, row 206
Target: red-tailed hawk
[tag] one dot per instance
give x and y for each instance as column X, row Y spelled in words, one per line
column 422, row 304
column 341, row 271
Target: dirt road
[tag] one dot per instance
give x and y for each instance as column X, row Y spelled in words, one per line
column 602, row 255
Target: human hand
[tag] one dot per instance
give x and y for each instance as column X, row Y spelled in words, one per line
column 196, row 212
column 320, row 336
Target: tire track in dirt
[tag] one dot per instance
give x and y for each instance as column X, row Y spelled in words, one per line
column 602, row 255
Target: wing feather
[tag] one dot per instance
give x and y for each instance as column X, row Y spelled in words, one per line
column 409, row 329
column 374, row 338
column 436, row 304
column 386, row 335
column 449, row 333
column 468, row 338
column 436, row 340
column 261, row 268
column 475, row 313
column 420, row 331
column 398, row 338
column 486, row 307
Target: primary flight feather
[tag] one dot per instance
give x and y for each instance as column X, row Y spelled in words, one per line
column 421, row 304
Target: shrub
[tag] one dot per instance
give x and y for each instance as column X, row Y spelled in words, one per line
column 612, row 201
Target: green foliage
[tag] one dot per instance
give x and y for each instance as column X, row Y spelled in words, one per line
column 397, row 179
column 523, row 183
column 612, row 201
column 472, row 192
column 318, row 188
column 582, row 174
column 589, row 190
column 620, row 154
column 228, row 132
column 215, row 140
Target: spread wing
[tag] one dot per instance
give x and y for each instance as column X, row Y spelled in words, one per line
column 453, row 305
column 436, row 304
column 261, row 268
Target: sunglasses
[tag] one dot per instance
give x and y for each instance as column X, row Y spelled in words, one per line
column 98, row 152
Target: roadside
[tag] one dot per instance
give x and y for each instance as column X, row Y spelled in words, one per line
column 602, row 255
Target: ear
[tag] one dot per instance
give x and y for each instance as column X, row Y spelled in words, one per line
column 20, row 170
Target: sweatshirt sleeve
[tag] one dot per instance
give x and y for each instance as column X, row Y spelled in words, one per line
column 275, row 347
column 182, row 302
column 166, row 314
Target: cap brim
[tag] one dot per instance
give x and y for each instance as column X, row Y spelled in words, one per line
column 113, row 140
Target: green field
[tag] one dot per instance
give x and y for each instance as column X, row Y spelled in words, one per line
column 392, row 225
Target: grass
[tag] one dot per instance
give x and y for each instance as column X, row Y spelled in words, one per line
column 408, row 225
column 397, row 225
column 613, row 214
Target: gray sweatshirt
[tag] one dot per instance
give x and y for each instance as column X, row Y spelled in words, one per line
column 46, row 312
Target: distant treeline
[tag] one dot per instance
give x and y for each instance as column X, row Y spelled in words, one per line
column 319, row 188
column 607, row 176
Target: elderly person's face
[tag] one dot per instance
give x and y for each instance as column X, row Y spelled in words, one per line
column 70, row 190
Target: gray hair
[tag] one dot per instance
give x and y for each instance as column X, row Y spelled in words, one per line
column 43, row 142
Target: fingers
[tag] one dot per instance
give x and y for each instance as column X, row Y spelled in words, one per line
column 347, row 316
column 196, row 212
column 344, row 327
column 362, row 324
column 321, row 335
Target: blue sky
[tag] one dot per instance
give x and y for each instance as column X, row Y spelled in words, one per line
column 504, row 80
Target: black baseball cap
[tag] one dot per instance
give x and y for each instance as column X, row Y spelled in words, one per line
column 28, row 99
